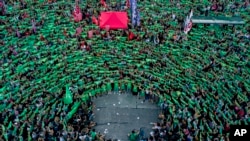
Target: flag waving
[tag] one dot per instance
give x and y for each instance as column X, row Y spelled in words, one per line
column 33, row 26
column 68, row 96
column 77, row 13
column 103, row 2
column 188, row 23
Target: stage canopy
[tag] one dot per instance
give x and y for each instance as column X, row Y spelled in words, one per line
column 113, row 20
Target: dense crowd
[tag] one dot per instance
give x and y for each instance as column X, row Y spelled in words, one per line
column 200, row 79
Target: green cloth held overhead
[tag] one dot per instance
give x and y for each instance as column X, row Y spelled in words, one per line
column 168, row 65
column 92, row 92
column 73, row 110
column 23, row 113
column 10, row 125
column 116, row 86
column 109, row 87
column 123, row 87
column 85, row 98
column 1, row 97
column 68, row 98
column 178, row 93
column 142, row 94
column 4, row 132
column 129, row 86
column 135, row 89
column 161, row 100
column 104, row 89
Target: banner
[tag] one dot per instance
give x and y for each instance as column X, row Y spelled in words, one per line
column 134, row 13
column 138, row 18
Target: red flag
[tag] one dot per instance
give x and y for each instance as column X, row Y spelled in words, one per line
column 90, row 34
column 214, row 7
column 94, row 20
column 131, row 35
column 77, row 14
column 103, row 3
column 78, row 31
column 127, row 3
column 240, row 113
column 42, row 38
column 25, row 15
column 77, row 9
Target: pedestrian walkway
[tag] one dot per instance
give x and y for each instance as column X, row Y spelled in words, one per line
column 118, row 114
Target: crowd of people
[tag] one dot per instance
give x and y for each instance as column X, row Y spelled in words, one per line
column 199, row 79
